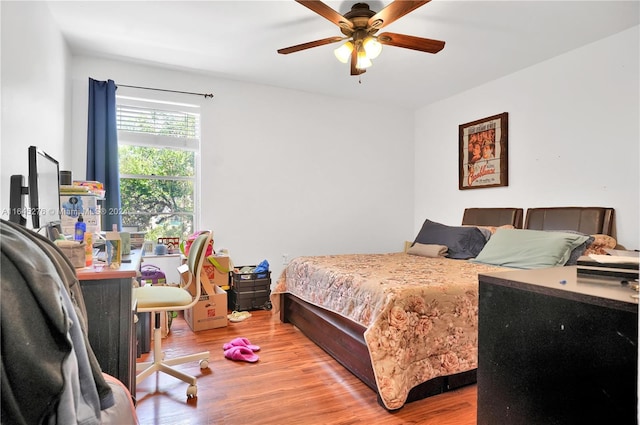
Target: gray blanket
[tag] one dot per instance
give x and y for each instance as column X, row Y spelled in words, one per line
column 49, row 374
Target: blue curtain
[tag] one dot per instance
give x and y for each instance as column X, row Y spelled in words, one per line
column 102, row 148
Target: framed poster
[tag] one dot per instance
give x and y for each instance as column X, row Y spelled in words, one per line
column 482, row 160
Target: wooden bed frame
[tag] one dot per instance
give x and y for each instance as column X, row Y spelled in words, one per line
column 343, row 339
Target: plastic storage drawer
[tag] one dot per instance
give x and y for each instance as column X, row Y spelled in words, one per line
column 250, row 291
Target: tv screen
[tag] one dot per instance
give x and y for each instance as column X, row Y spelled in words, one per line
column 44, row 190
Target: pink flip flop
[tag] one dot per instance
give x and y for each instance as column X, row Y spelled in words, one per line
column 241, row 353
column 240, row 342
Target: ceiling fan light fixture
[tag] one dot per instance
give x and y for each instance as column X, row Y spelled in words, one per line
column 372, row 47
column 363, row 61
column 360, row 28
column 343, row 53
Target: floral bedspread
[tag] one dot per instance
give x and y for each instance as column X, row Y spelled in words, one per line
column 421, row 313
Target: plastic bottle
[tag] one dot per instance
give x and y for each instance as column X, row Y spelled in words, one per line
column 81, row 227
column 88, row 249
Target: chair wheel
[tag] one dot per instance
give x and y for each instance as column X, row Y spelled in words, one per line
column 192, row 391
column 204, row 363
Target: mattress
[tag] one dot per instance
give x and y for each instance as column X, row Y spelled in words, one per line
column 420, row 313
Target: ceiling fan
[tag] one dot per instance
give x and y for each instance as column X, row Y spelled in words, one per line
column 360, row 26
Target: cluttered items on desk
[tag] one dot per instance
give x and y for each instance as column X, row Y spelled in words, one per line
column 617, row 264
column 108, row 252
column 79, row 248
column 75, row 251
column 108, row 249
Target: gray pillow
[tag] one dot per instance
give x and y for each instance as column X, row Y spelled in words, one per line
column 485, row 232
column 462, row 242
column 579, row 250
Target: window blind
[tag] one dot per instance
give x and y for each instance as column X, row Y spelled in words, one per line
column 154, row 121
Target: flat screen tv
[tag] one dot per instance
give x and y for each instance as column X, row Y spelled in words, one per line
column 44, row 192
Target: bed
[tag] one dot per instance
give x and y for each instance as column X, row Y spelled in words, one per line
column 406, row 325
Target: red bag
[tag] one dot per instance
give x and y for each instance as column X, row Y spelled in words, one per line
column 187, row 244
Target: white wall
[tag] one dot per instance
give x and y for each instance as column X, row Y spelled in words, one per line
column 573, row 138
column 284, row 172
column 35, row 91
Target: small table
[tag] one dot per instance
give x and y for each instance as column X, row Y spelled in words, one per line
column 110, row 310
column 556, row 349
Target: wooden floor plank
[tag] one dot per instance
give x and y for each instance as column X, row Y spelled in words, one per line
column 294, row 382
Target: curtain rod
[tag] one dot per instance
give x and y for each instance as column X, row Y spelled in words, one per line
column 206, row 95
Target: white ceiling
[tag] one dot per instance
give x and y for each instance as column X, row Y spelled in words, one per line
column 485, row 40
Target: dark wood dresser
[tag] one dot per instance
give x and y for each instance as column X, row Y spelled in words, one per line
column 556, row 349
column 108, row 296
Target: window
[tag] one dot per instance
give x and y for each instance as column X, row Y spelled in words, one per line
column 158, row 151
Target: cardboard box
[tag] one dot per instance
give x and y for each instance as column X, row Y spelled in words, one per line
column 210, row 311
column 218, row 276
column 185, row 278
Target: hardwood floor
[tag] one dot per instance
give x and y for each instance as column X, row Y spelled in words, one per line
column 294, row 382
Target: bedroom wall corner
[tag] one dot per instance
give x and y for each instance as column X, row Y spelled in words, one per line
column 573, row 138
column 35, row 90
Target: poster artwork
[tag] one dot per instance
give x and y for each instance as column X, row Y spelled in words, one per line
column 483, row 153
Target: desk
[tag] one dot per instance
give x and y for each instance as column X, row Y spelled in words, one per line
column 556, row 349
column 110, row 309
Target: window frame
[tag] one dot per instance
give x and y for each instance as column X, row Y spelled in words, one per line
column 172, row 103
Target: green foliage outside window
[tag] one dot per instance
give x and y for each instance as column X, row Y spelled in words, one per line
column 157, row 187
column 157, row 158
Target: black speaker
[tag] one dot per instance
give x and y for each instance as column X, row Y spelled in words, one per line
column 17, row 191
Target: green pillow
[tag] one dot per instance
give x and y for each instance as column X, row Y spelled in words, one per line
column 529, row 249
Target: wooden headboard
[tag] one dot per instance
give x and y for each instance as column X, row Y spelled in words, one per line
column 487, row 217
column 587, row 220
column 493, row 217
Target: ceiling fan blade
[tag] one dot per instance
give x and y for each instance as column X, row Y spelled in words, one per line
column 393, row 12
column 354, row 61
column 410, row 42
column 328, row 13
column 309, row 45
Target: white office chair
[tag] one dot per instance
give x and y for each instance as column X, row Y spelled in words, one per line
column 157, row 299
